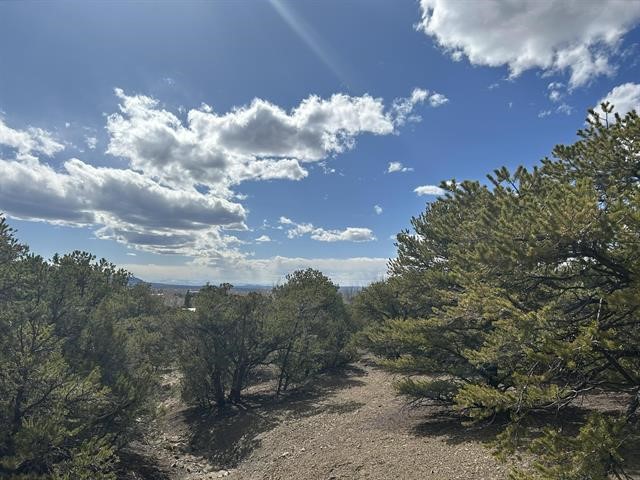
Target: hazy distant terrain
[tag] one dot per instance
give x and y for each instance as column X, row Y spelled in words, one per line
column 347, row 291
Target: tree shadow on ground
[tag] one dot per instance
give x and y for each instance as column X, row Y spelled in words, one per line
column 227, row 437
column 454, row 428
column 134, row 466
column 631, row 455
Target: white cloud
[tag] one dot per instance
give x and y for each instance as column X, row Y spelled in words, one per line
column 31, row 140
column 555, row 96
column 428, row 190
column 437, row 99
column 625, row 97
column 357, row 271
column 579, row 37
column 349, row 234
column 398, row 167
column 377, row 209
column 564, row 108
column 556, row 91
column 92, row 142
column 176, row 194
column 403, row 107
column 126, row 206
column 263, row 239
column 544, row 113
column 259, row 141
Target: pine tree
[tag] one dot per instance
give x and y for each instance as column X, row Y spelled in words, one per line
column 530, row 297
column 76, row 349
column 47, row 411
column 311, row 325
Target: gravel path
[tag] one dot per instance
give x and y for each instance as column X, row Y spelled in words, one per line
column 348, row 427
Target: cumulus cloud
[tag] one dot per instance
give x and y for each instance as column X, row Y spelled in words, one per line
column 398, row 167
column 125, row 205
column 578, row 37
column 31, row 140
column 377, row 209
column 625, row 97
column 259, row 141
column 428, row 190
column 176, row 195
column 349, row 234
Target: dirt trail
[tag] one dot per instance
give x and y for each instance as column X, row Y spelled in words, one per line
column 349, row 426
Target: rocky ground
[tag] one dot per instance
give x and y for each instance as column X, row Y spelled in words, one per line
column 348, row 426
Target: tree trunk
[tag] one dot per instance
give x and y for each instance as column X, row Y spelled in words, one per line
column 218, row 389
column 283, row 368
column 236, row 385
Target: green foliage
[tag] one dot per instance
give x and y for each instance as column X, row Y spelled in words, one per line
column 594, row 453
column 302, row 328
column 311, row 326
column 524, row 299
column 378, row 302
column 72, row 375
column 221, row 343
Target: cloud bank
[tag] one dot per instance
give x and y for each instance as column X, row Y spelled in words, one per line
column 175, row 193
column 157, row 203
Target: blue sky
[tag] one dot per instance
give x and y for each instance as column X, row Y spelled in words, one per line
column 238, row 141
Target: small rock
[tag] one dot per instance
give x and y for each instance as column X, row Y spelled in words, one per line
column 285, row 454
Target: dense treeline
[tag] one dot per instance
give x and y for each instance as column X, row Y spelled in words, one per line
column 521, row 298
column 81, row 353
